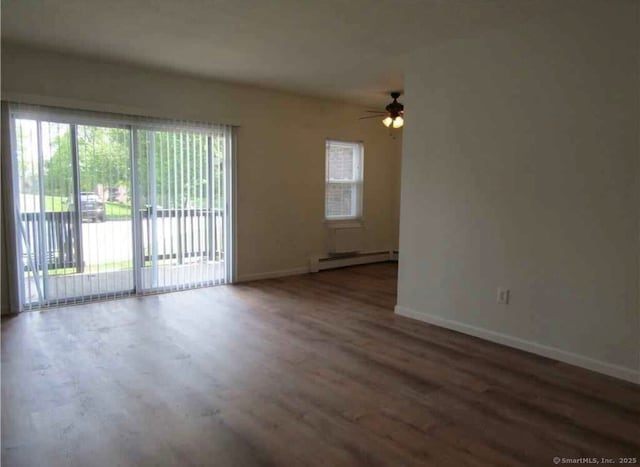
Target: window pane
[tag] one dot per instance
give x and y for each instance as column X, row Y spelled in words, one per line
column 343, row 180
column 341, row 163
column 340, row 200
column 104, row 159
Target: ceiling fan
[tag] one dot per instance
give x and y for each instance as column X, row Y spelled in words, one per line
column 393, row 113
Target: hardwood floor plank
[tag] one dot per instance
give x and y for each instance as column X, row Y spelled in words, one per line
column 304, row 370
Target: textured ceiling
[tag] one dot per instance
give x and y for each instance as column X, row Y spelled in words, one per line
column 352, row 49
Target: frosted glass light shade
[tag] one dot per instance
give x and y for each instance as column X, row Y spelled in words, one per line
column 398, row 122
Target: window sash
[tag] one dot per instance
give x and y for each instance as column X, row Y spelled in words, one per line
column 356, row 161
column 354, row 203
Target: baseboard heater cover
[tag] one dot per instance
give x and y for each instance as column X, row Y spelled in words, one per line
column 340, row 261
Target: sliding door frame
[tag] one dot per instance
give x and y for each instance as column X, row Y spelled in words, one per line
column 77, row 217
column 136, row 228
column 231, row 231
column 11, row 214
column 75, row 118
column 228, row 208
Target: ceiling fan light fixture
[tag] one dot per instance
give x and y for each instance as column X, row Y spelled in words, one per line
column 398, row 122
column 395, row 111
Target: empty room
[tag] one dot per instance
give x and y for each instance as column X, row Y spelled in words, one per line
column 320, row 232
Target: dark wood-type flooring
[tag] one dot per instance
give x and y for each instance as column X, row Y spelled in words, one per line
column 306, row 370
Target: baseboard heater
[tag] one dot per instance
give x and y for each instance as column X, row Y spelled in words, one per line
column 350, row 259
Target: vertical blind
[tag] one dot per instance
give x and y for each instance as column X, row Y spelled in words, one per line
column 107, row 206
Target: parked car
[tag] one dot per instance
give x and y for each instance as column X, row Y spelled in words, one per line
column 92, row 208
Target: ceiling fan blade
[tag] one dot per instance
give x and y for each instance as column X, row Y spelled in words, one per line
column 371, row 116
column 376, row 111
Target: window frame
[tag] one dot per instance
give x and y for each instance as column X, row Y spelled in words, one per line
column 357, row 182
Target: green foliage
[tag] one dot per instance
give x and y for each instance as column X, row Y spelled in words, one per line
column 180, row 168
column 117, row 210
column 112, row 210
column 179, row 165
column 103, row 156
column 56, row 203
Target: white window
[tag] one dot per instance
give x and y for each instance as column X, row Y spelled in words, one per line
column 343, row 190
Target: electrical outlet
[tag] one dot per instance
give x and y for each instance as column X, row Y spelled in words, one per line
column 503, row 296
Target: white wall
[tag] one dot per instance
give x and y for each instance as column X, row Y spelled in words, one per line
column 520, row 169
column 281, row 144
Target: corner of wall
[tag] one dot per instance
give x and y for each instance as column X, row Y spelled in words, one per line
column 627, row 374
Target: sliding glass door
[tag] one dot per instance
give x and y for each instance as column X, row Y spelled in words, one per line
column 109, row 206
column 182, row 195
column 103, row 196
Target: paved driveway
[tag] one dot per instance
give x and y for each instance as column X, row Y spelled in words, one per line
column 107, row 242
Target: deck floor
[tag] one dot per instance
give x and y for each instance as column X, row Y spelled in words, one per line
column 71, row 286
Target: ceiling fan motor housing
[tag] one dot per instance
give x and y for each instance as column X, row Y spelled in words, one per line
column 395, row 108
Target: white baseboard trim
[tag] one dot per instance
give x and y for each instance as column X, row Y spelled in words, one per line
column 331, row 262
column 272, row 274
column 627, row 374
column 317, row 264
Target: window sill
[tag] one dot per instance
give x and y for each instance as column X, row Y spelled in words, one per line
column 344, row 223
